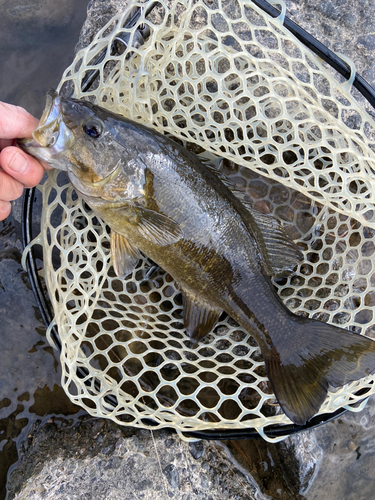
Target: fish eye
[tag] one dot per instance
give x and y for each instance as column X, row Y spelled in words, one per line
column 93, row 129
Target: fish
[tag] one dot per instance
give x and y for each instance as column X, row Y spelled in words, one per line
column 162, row 200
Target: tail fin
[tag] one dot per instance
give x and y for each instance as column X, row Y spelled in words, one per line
column 318, row 355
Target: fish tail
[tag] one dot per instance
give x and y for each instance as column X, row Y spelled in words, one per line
column 318, row 355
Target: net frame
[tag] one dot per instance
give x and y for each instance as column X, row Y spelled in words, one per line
column 361, row 389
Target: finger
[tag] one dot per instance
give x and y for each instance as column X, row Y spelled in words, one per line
column 22, row 167
column 5, row 208
column 10, row 189
column 16, row 122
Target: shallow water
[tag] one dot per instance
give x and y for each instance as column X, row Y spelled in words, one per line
column 37, row 40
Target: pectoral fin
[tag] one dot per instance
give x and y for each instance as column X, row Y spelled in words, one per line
column 158, row 228
column 155, row 227
column 125, row 255
column 199, row 318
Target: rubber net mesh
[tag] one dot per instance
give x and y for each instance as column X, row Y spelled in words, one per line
column 234, row 85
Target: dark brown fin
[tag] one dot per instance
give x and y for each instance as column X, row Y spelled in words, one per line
column 282, row 252
column 318, row 355
column 199, row 318
column 125, row 255
column 158, row 228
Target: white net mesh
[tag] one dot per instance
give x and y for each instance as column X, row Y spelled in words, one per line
column 229, row 81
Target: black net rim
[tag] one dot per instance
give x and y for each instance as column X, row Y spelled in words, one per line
column 45, row 307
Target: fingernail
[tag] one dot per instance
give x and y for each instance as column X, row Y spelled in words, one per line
column 18, row 163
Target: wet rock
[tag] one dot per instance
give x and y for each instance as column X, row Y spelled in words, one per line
column 348, row 459
column 345, row 28
column 42, row 12
column 96, row 459
column 282, row 470
column 37, row 39
column 99, row 13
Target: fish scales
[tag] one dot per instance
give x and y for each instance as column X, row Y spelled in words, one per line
column 218, row 251
column 159, row 199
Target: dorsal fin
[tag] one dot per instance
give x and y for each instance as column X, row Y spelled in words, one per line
column 282, row 252
column 229, row 184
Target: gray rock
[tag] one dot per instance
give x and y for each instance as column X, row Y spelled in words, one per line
column 172, row 475
column 95, row 459
column 99, row 13
column 196, row 449
column 345, row 28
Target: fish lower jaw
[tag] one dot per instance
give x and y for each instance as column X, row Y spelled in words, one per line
column 99, row 184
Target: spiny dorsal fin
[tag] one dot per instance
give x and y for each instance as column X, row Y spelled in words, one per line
column 199, row 318
column 125, row 255
column 229, row 184
column 283, row 253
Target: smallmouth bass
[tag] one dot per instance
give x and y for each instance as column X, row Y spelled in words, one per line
column 159, row 199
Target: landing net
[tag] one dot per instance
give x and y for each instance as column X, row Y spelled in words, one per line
column 232, row 84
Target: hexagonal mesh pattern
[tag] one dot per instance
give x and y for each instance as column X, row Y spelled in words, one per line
column 227, row 80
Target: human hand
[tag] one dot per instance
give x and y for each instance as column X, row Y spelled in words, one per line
column 17, row 169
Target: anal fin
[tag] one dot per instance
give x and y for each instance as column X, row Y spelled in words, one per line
column 199, row 317
column 125, row 255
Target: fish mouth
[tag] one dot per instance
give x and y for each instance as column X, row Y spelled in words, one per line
column 39, row 140
column 50, row 103
column 51, row 126
column 52, row 136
